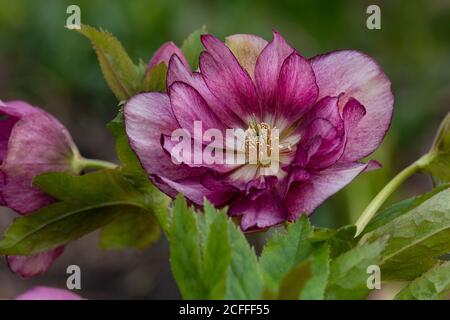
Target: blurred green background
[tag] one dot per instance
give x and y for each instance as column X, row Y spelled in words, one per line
column 49, row 66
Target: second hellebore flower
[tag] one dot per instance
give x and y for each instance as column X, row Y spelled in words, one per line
column 331, row 111
column 32, row 142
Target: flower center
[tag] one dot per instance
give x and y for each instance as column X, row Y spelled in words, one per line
column 258, row 144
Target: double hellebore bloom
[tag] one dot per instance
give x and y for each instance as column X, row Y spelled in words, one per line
column 328, row 112
column 32, row 142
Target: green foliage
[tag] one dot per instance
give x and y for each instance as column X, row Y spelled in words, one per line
column 209, row 259
column 88, row 203
column 295, row 281
column 192, row 47
column 348, row 272
column 314, row 289
column 432, row 285
column 284, row 251
column 400, row 208
column 118, row 70
column 244, row 278
column 155, row 79
column 132, row 170
column 136, row 228
column 417, row 238
column 437, row 161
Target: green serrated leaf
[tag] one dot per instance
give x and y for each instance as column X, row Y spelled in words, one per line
column 56, row 225
column 400, row 208
column 348, row 272
column 217, row 257
column 210, row 257
column 343, row 240
column 155, row 79
column 417, row 238
column 432, row 285
column 119, row 71
column 244, row 278
column 89, row 202
column 315, row 287
column 185, row 252
column 283, row 251
column 136, row 228
column 192, row 47
column 294, row 281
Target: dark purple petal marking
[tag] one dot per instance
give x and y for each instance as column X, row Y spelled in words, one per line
column 267, row 71
column 227, row 80
column 297, row 90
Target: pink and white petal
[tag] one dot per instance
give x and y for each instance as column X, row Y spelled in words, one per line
column 305, row 196
column 46, row 293
column 164, row 53
column 227, row 80
column 359, row 76
column 297, row 90
column 148, row 116
column 179, row 72
column 265, row 211
column 246, row 48
column 30, row 266
column 189, row 107
column 267, row 71
column 189, row 158
column 38, row 144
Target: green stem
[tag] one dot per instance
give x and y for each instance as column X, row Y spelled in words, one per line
column 82, row 163
column 384, row 194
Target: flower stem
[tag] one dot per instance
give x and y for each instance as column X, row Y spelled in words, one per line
column 384, row 194
column 83, row 163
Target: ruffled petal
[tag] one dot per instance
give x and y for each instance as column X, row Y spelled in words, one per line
column 265, row 211
column 227, row 80
column 305, row 196
column 148, row 117
column 179, row 72
column 323, row 135
column 189, row 106
column 30, row 266
column 267, row 71
column 297, row 90
column 195, row 190
column 358, row 76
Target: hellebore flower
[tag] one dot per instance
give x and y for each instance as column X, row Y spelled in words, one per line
column 32, row 142
column 46, row 293
column 330, row 112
